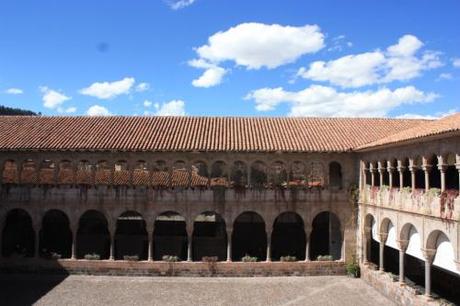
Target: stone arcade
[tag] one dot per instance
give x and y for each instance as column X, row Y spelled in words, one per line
column 208, row 188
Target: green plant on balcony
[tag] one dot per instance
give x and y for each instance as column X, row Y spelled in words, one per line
column 353, row 269
column 248, row 258
column 170, row 258
column 324, row 258
column 131, row 257
column 288, row 258
column 92, row 256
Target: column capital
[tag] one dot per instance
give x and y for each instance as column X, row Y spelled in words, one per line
column 412, row 168
column 442, row 167
column 383, row 237
column 391, row 169
column 427, row 168
column 429, row 254
column 402, row 244
column 400, row 168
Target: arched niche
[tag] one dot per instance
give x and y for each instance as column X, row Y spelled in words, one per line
column 326, row 236
column 66, row 173
column 288, row 237
column 29, row 172
column 335, row 175
column 219, row 174
column 18, row 236
column 180, row 175
column 84, row 175
column 239, row 175
column 170, row 236
column 10, row 172
column 47, row 172
column 199, row 175
column 259, row 177
column 55, row 234
column 278, row 175
column 249, row 236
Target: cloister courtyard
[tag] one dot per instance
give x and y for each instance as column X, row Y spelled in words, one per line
column 111, row 290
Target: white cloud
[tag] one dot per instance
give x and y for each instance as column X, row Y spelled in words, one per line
column 254, row 46
column 437, row 115
column 398, row 62
column 14, row 91
column 444, row 76
column 52, row 99
column 70, row 110
column 97, row 110
column 456, row 62
column 179, row 4
column 142, row 87
column 147, row 103
column 109, row 90
column 319, row 100
column 171, row 108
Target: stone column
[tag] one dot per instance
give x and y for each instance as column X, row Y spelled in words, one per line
column 112, row 245
column 269, row 247
column 150, row 250
column 381, row 170
column 429, row 257
column 74, row 244
column 412, row 177
column 401, row 177
column 442, row 169
column 365, row 242
column 307, row 243
column 390, row 176
column 383, row 238
column 402, row 251
column 189, row 248
column 427, row 169
column 229, row 245
column 372, row 171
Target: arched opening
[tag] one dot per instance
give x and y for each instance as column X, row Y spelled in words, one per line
column 297, row 176
column 29, row 172
column 278, row 177
column 10, row 172
column 385, row 174
column 200, row 175
column 209, row 237
column 371, row 244
column 326, row 236
column 451, row 173
column 84, row 174
column 259, row 177
column 219, row 174
column 131, row 237
column 434, row 173
column 375, row 174
column 55, row 235
column 445, row 278
column 288, row 237
column 65, row 174
column 249, row 237
column 367, row 174
column 335, row 175
column 121, row 173
column 46, row 173
column 180, row 175
column 93, row 235
column 419, row 173
column 103, row 173
column 160, row 175
column 239, row 175
column 315, row 175
column 141, row 174
column 170, row 236
column 414, row 263
column 390, row 249
column 407, row 179
column 392, row 166
column 18, row 236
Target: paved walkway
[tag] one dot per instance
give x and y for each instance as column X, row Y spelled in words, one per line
column 110, row 290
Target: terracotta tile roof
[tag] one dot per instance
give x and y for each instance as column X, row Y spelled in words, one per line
column 194, row 133
column 430, row 128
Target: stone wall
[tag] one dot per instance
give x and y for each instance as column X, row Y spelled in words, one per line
column 222, row 269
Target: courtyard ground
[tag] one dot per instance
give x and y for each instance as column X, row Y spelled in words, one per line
column 111, row 290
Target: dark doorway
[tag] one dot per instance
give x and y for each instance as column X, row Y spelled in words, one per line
column 131, row 237
column 209, row 237
column 18, row 237
column 335, row 175
column 288, row 237
column 249, row 237
column 93, row 235
column 170, row 236
column 326, row 238
column 55, row 235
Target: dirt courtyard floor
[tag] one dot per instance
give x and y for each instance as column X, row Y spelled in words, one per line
column 113, row 290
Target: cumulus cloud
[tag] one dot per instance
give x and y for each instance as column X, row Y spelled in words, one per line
column 179, row 4
column 70, row 110
column 456, row 62
column 147, row 103
column 437, row 115
column 142, row 87
column 318, row 100
column 254, row 46
column 97, row 110
column 444, row 76
column 14, row 91
column 52, row 99
column 399, row 62
column 109, row 90
column 171, row 108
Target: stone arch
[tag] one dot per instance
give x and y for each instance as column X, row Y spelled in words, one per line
column 249, row 236
column 391, row 248
column 199, row 174
column 170, row 236
column 103, row 173
column 93, row 236
column 46, row 174
column 411, row 234
column 10, row 173
column 55, row 234
column 297, row 174
column 131, row 237
column 209, row 236
column 84, row 175
column 219, row 174
column 326, row 236
column 315, row 174
column 18, row 235
column 335, row 175
column 259, row 175
column 367, row 173
column 371, row 244
column 239, row 175
column 288, row 236
column 278, row 175
column 29, row 172
column 65, row 174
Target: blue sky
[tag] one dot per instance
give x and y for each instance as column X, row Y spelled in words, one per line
column 238, row 58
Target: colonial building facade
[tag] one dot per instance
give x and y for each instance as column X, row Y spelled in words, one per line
column 380, row 191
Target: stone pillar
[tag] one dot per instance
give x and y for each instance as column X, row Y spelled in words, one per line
column 412, row 177
column 112, row 245
column 229, row 245
column 74, row 244
column 150, row 250
column 381, row 170
column 442, row 169
column 426, row 170
column 189, row 248
column 269, row 247
column 365, row 242
column 383, row 238
column 390, row 176
column 401, row 177
column 372, row 171
column 429, row 256
column 307, row 243
column 402, row 251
